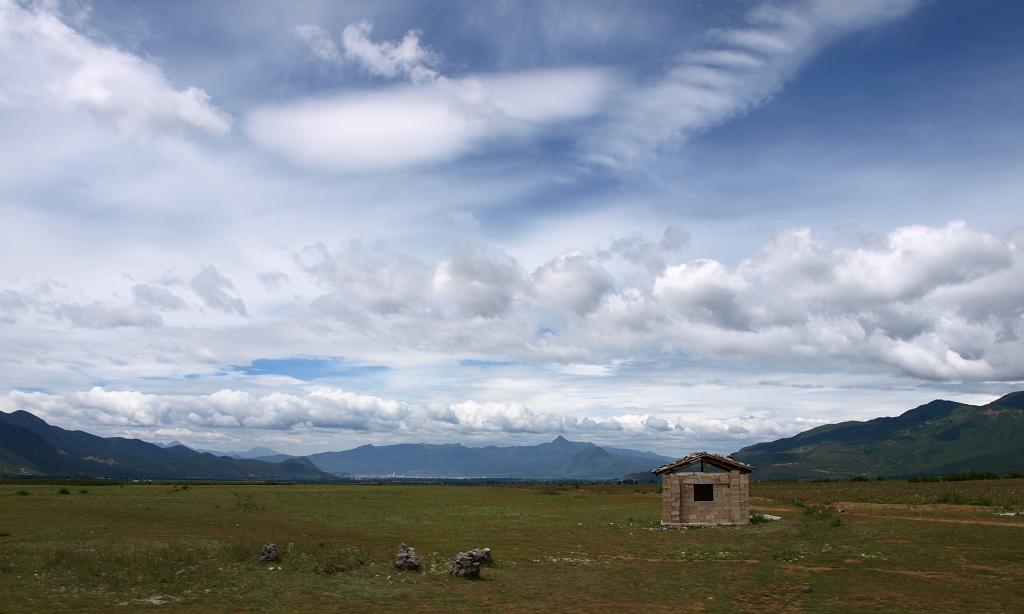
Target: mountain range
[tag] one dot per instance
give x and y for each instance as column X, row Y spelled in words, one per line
column 937, row 438
column 558, row 459
column 30, row 446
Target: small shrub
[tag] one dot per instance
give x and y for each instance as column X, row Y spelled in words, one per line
column 859, row 478
column 63, row 491
column 84, row 491
column 22, row 492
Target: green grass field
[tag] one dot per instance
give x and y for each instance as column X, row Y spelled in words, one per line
column 894, row 547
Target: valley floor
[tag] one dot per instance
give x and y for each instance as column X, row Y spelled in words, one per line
column 892, row 546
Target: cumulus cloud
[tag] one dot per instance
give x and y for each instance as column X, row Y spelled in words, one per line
column 11, row 304
column 157, row 297
column 97, row 314
column 479, row 281
column 406, row 57
column 739, row 69
column 931, row 302
column 47, row 65
column 273, row 280
column 652, row 255
column 323, row 408
column 368, row 276
column 214, row 289
column 574, row 282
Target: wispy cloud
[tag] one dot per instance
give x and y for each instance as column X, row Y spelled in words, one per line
column 739, row 69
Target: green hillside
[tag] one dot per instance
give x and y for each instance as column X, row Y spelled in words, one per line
column 936, row 438
column 30, row 446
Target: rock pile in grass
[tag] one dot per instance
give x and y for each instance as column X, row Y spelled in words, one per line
column 466, row 565
column 270, row 553
column 407, row 559
column 481, row 554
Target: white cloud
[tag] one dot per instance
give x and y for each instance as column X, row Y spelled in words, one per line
column 11, row 304
column 320, row 43
column 740, row 69
column 574, row 282
column 413, row 125
column 934, row 303
column 96, row 314
column 157, row 297
column 214, row 289
column 480, row 281
column 193, row 416
column 367, row 276
column 45, row 65
column 649, row 254
column 406, row 57
column 322, row 408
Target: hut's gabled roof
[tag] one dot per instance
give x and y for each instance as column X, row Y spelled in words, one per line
column 722, row 462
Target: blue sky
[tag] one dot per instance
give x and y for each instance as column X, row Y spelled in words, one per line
column 665, row 225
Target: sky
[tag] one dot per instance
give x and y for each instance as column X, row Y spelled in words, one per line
column 668, row 226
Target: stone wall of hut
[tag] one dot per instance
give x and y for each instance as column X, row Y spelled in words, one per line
column 731, row 504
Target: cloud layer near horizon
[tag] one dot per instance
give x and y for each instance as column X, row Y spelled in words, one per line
column 333, row 408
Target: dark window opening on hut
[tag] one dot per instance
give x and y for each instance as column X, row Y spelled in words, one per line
column 703, row 492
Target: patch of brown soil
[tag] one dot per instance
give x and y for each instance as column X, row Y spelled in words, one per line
column 987, row 523
column 857, row 506
column 962, row 561
column 627, row 557
column 795, row 568
column 762, row 508
column 929, row 575
column 852, row 561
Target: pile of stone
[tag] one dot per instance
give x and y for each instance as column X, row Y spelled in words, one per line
column 270, row 553
column 482, row 554
column 467, row 564
column 407, row 559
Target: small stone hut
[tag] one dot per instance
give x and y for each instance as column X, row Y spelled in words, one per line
column 716, row 492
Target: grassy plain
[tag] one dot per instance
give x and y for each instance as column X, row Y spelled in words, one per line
column 895, row 546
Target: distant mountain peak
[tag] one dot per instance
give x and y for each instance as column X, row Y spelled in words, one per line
column 559, row 439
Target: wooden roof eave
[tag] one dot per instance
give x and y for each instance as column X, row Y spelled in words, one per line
column 715, row 460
